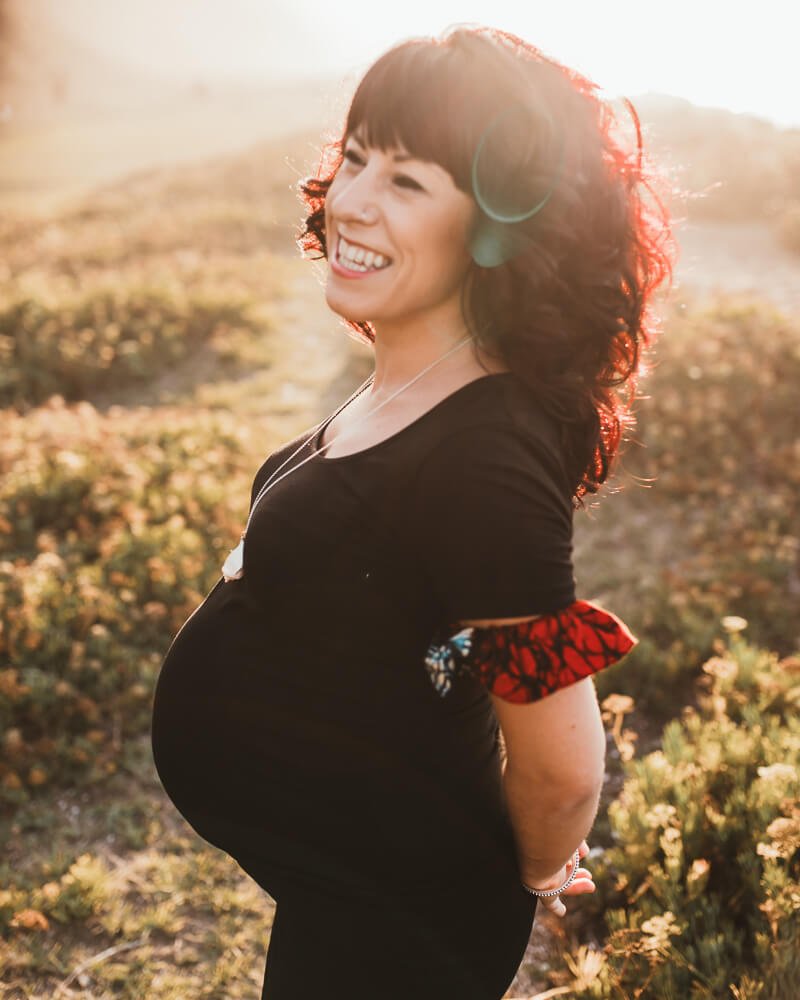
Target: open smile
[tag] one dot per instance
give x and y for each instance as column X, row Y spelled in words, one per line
column 359, row 259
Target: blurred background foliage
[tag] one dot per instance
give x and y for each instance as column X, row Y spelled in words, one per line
column 158, row 337
column 699, row 893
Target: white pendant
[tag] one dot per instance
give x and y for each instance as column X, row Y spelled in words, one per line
column 233, row 567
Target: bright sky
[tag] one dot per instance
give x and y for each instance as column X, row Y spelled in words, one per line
column 719, row 53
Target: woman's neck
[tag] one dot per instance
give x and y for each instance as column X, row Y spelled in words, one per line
column 402, row 353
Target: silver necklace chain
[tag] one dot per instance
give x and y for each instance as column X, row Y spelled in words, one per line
column 233, row 567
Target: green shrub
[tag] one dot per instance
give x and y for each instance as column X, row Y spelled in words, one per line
column 701, row 890
column 676, row 623
column 103, row 337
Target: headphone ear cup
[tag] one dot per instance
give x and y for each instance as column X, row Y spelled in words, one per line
column 493, row 243
column 497, row 237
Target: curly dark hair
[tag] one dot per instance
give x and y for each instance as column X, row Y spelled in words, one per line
column 571, row 313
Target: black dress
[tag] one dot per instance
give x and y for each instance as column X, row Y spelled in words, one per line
column 296, row 727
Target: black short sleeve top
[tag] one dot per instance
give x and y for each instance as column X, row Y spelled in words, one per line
column 294, row 720
column 492, row 517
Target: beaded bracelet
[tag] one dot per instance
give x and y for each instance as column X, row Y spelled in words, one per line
column 556, row 892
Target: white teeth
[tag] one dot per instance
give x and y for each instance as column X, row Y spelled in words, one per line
column 359, row 259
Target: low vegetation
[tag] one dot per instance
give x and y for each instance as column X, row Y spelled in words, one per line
column 700, row 890
column 114, row 520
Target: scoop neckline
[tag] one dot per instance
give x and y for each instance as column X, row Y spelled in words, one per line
column 392, row 437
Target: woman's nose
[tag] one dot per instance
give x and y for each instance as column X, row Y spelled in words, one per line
column 357, row 200
column 364, row 215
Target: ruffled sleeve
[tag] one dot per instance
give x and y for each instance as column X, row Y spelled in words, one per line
column 526, row 661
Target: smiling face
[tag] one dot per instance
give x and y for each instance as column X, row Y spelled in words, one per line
column 396, row 230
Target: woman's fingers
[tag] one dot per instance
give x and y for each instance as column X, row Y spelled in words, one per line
column 583, row 877
column 582, row 884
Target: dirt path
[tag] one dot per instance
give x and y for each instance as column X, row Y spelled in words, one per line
column 322, row 363
column 306, row 366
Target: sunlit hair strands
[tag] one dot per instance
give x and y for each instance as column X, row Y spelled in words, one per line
column 571, row 311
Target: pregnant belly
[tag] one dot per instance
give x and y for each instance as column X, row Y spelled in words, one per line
column 213, row 709
column 265, row 766
column 244, row 745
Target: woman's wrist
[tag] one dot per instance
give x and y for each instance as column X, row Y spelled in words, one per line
column 557, row 883
column 540, row 881
column 573, row 880
column 542, row 873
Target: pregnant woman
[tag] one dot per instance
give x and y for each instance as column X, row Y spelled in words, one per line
column 384, row 708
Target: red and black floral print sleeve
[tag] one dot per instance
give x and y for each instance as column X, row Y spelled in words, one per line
column 530, row 659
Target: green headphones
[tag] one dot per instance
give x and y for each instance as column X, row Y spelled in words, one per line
column 495, row 239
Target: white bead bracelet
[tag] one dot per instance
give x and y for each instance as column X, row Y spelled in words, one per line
column 556, row 892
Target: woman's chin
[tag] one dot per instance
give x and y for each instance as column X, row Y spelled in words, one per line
column 339, row 305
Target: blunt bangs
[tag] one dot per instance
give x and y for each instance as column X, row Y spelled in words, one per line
column 430, row 96
column 422, row 97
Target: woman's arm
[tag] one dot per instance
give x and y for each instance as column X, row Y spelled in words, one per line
column 553, row 775
column 554, row 769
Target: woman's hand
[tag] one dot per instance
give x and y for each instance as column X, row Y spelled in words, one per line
column 583, row 883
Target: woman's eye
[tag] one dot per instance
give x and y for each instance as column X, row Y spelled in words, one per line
column 406, row 181
column 402, row 180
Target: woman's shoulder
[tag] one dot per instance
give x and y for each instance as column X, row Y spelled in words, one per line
column 282, row 453
column 504, row 416
column 500, row 437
